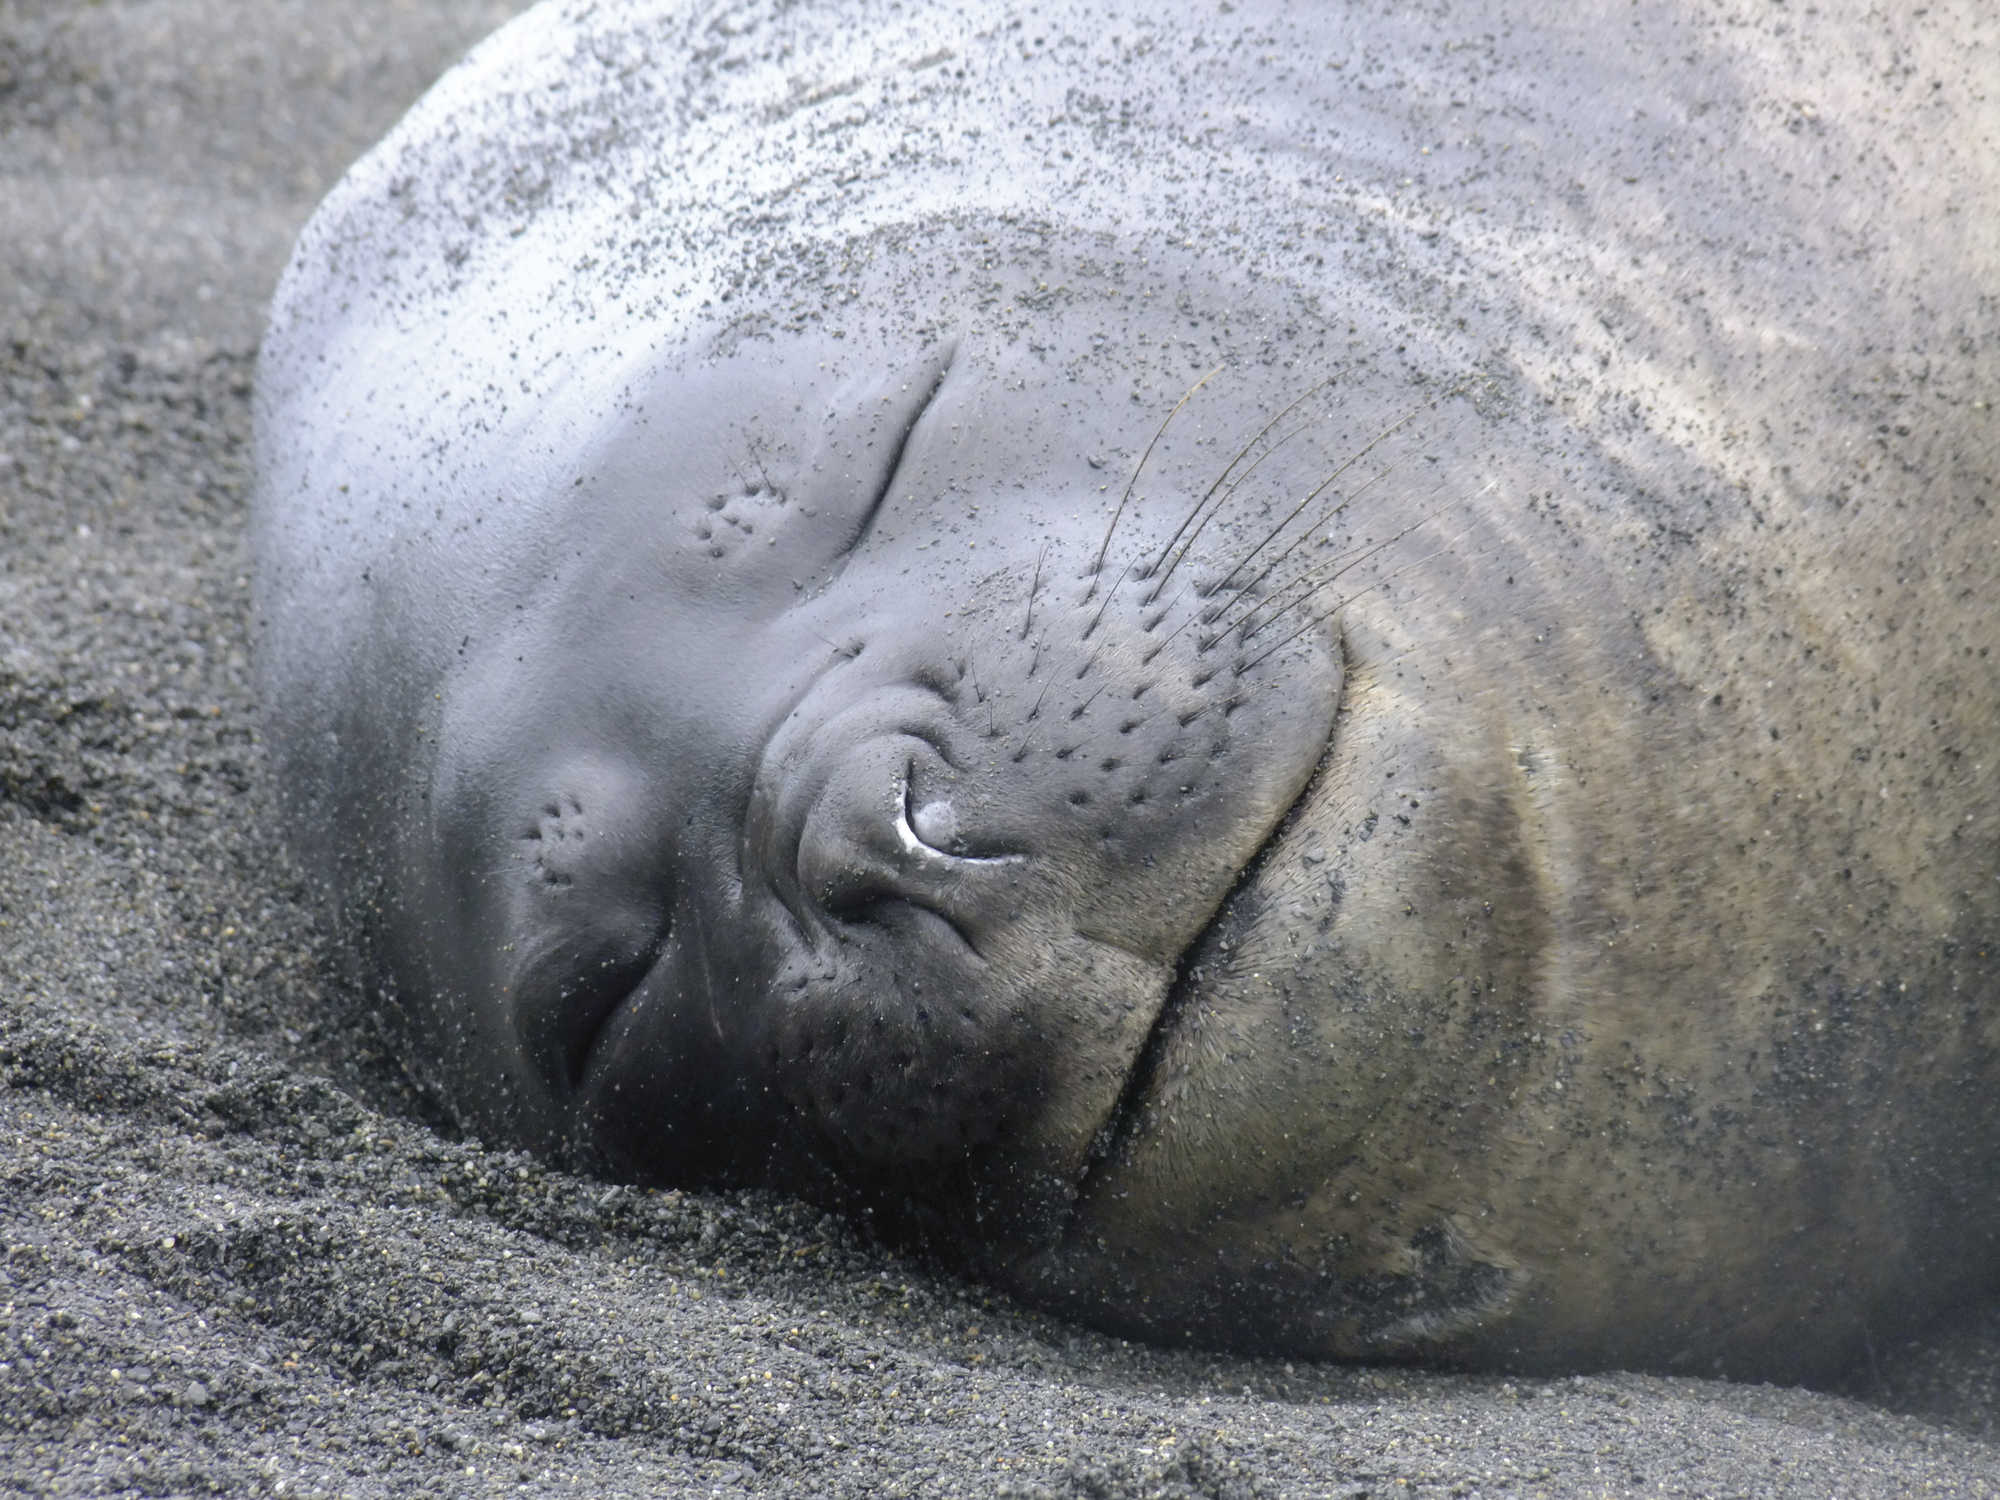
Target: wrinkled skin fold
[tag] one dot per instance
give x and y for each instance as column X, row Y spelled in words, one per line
column 1367, row 730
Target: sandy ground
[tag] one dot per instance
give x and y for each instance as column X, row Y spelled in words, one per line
column 236, row 1257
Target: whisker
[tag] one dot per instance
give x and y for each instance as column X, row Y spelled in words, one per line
column 1319, row 578
column 1147, row 659
column 1098, row 566
column 1034, row 588
column 848, row 651
column 1313, row 578
column 1217, row 509
column 1109, row 594
column 1078, row 711
column 1240, row 455
column 1360, row 453
column 1148, row 601
column 1303, row 537
column 1320, row 619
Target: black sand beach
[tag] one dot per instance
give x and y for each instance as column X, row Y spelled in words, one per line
column 239, row 1255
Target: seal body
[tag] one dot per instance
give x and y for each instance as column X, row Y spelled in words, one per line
column 1313, row 679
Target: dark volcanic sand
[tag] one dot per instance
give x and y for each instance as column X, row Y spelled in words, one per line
column 236, row 1260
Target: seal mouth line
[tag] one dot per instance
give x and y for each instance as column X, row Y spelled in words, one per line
column 1123, row 1117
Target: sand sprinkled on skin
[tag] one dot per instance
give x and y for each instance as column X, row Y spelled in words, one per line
column 235, row 1254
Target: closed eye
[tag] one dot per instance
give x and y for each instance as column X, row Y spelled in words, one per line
column 906, row 830
column 940, row 821
column 927, row 393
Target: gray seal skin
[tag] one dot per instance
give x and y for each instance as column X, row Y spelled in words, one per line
column 1319, row 679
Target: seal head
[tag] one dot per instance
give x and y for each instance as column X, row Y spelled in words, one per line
column 754, row 834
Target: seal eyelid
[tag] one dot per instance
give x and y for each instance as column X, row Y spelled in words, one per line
column 866, row 523
column 906, row 835
column 951, row 762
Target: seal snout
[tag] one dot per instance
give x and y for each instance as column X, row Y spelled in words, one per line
column 941, row 1026
column 986, row 863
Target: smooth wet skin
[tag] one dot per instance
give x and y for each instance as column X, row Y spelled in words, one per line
column 1367, row 731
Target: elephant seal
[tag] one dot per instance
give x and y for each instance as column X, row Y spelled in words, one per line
column 1316, row 679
